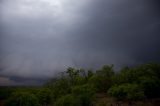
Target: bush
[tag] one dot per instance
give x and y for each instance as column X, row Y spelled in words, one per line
column 84, row 93
column 22, row 99
column 151, row 86
column 44, row 96
column 68, row 100
column 60, row 88
column 131, row 92
column 102, row 79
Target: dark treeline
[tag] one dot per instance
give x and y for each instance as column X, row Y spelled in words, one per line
column 79, row 87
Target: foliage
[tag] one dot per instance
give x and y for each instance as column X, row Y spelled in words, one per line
column 151, row 86
column 102, row 80
column 68, row 100
column 130, row 92
column 84, row 93
column 44, row 96
column 61, row 87
column 78, row 87
column 22, row 99
column 146, row 75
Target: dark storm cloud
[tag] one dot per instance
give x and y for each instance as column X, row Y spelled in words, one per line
column 42, row 37
column 126, row 32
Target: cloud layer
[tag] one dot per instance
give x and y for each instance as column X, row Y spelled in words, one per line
column 39, row 38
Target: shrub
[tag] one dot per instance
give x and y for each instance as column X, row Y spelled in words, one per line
column 84, row 93
column 131, row 92
column 22, row 99
column 44, row 96
column 151, row 86
column 68, row 100
column 60, row 87
column 102, row 80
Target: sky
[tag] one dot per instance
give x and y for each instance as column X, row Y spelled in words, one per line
column 40, row 38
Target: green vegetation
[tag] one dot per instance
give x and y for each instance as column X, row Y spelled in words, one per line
column 44, row 96
column 130, row 92
column 103, row 87
column 22, row 99
column 68, row 100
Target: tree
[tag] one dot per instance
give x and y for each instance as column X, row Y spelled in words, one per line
column 90, row 74
column 102, row 79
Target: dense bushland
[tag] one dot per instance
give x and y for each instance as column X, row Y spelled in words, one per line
column 79, row 87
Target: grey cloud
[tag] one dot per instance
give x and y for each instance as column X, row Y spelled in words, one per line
column 40, row 38
column 34, row 40
column 124, row 28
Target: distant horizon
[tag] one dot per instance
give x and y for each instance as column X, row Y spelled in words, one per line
column 41, row 82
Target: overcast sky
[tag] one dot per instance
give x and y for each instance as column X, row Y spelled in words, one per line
column 39, row 38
